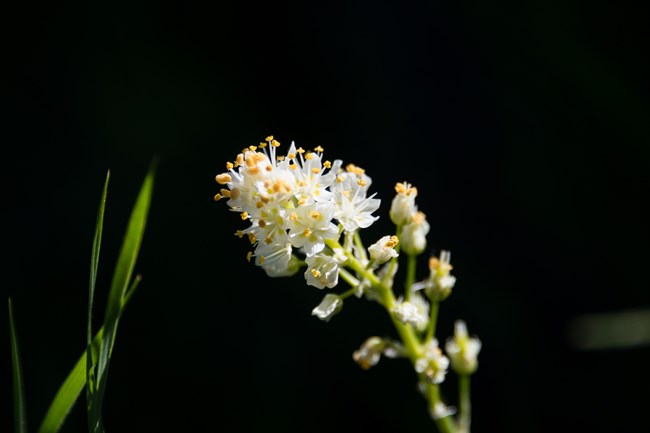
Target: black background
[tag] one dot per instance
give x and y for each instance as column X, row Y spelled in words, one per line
column 524, row 126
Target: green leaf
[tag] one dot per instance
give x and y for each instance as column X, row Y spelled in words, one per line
column 20, row 416
column 94, row 265
column 121, row 279
column 70, row 390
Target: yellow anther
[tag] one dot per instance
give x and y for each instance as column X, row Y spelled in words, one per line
column 275, row 143
column 244, row 215
column 339, row 179
column 293, row 216
column 239, row 160
column 261, row 260
column 217, row 197
column 327, row 164
column 254, row 170
column 307, row 232
column 301, row 201
column 309, row 155
column 361, row 182
column 262, row 223
column 392, row 242
column 229, row 166
column 315, row 214
column 239, row 234
column 252, row 238
column 419, row 217
column 259, row 204
column 269, row 167
column 268, row 240
column 263, row 144
column 354, row 169
column 269, row 138
column 318, row 149
column 252, row 148
column 346, row 193
column 223, row 178
column 291, row 155
column 249, row 255
column 315, row 273
column 293, row 166
column 225, row 192
column 280, row 157
column 315, row 170
column 300, row 150
column 405, row 189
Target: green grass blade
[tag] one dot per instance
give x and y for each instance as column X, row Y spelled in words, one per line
column 20, row 413
column 94, row 266
column 121, row 279
column 74, row 383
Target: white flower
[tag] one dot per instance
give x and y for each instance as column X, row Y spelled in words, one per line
column 414, row 234
column 329, row 306
column 384, row 249
column 433, row 364
column 440, row 282
column 414, row 312
column 403, row 206
column 322, row 270
column 463, row 350
column 275, row 257
column 369, row 353
column 353, row 209
column 441, row 410
column 310, row 225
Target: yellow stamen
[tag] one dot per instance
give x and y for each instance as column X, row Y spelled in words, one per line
column 244, row 215
column 300, row 150
column 269, row 138
column 252, row 148
column 223, row 178
column 263, row 144
column 269, row 167
column 315, row 214
column 252, row 238
column 315, row 273
column 225, row 192
column 392, row 242
column 309, row 155
column 262, row 223
column 217, row 197
column 361, row 182
column 327, row 164
column 239, row 234
column 318, row 149
column 293, row 216
column 307, row 232
column 229, row 165
column 261, row 260
column 275, row 143
column 315, row 170
column 249, row 255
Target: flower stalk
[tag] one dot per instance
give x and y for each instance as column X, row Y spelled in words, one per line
column 301, row 207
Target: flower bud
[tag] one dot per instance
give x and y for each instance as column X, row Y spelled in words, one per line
column 414, row 235
column 463, row 350
column 432, row 364
column 403, row 205
column 440, row 282
column 328, row 307
column 384, row 249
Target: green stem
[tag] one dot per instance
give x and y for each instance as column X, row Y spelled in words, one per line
column 464, row 404
column 431, row 329
column 359, row 245
column 410, row 275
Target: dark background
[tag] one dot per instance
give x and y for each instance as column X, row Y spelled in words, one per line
column 524, row 126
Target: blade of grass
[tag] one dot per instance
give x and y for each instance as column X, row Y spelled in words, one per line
column 20, row 413
column 94, row 266
column 121, row 278
column 71, row 387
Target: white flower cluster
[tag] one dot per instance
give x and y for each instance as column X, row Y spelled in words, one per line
column 294, row 202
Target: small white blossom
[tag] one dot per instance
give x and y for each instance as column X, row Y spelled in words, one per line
column 403, row 207
column 369, row 354
column 440, row 281
column 322, row 270
column 414, row 312
column 328, row 307
column 441, row 410
column 353, row 208
column 384, row 249
column 463, row 350
column 414, row 234
column 433, row 364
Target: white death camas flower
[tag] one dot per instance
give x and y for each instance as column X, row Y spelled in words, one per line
column 294, row 203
